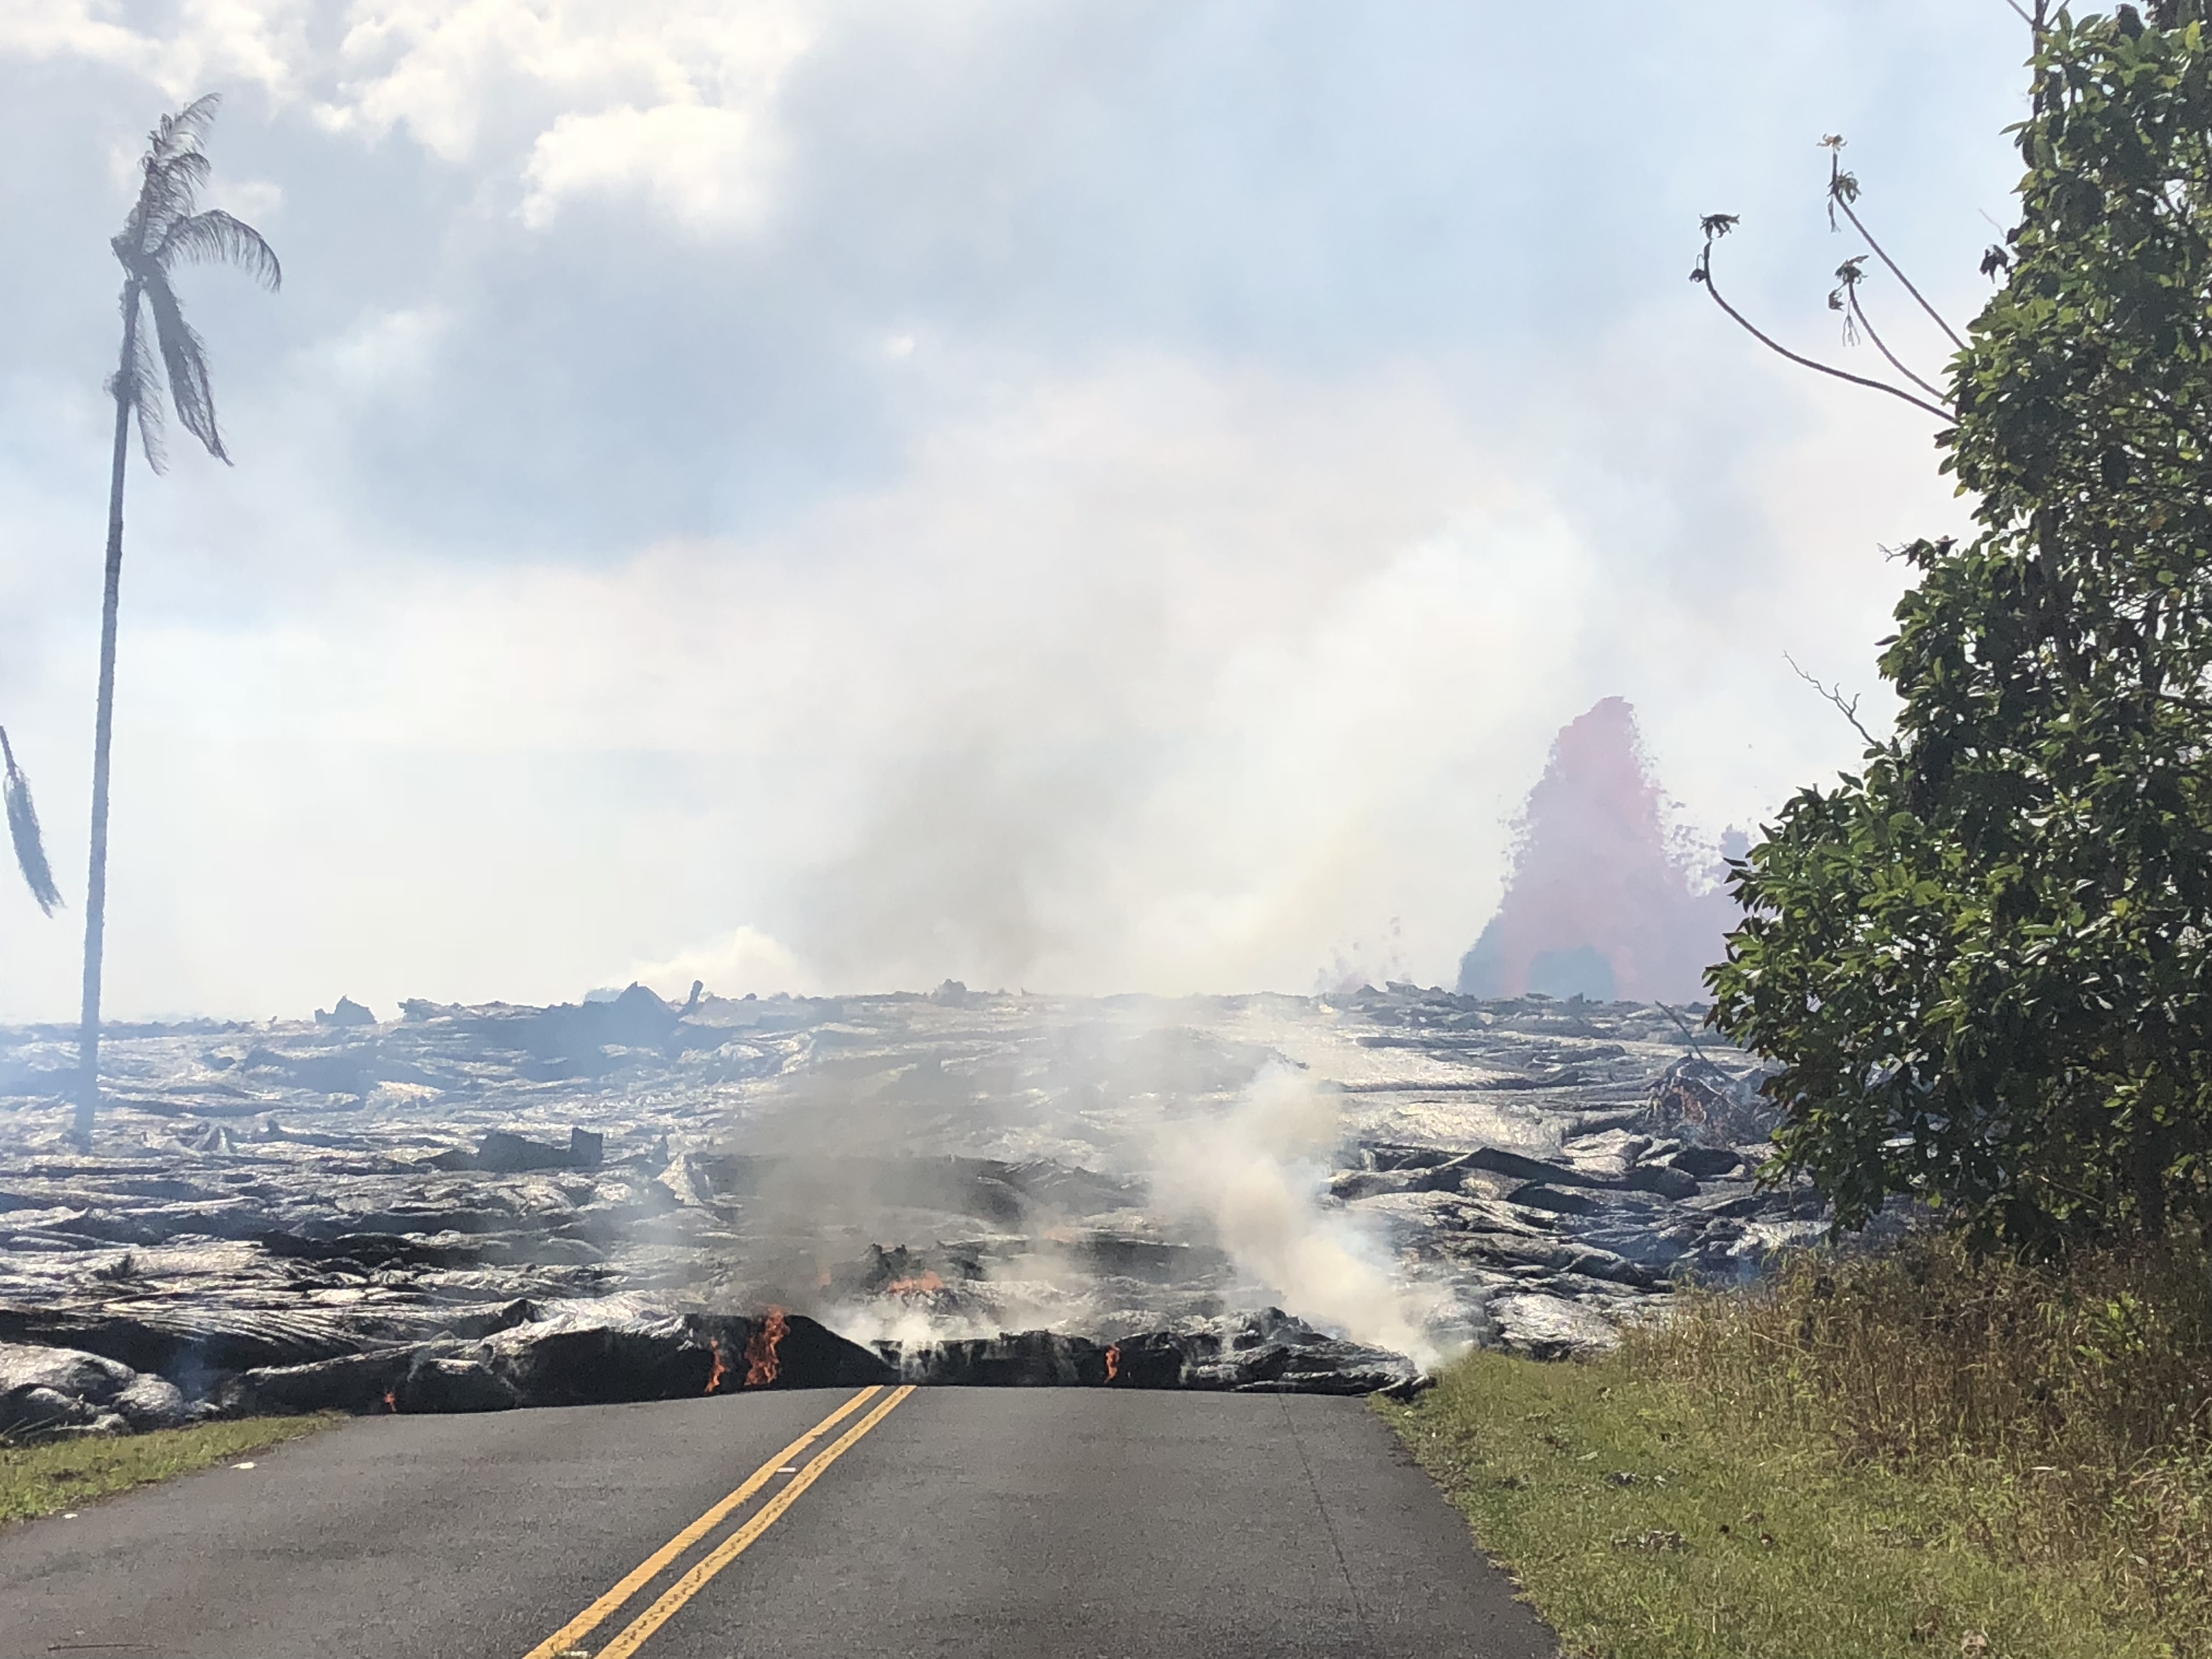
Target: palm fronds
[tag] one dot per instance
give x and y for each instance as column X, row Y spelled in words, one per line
column 23, row 830
column 167, row 225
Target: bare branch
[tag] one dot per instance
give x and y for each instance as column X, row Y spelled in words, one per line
column 1834, row 695
column 1858, row 311
column 1842, row 191
column 1683, row 1026
column 1704, row 273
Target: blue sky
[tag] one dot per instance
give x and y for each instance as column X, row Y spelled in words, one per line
column 1089, row 496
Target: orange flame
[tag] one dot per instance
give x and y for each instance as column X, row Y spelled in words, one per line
column 922, row 1284
column 722, row 1371
column 391, row 1401
column 1113, row 1361
column 762, row 1364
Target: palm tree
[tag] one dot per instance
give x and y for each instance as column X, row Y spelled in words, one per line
column 166, row 227
column 23, row 830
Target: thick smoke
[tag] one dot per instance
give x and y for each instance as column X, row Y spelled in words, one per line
column 1599, row 904
column 1255, row 1174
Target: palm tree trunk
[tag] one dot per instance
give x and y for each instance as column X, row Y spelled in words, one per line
column 127, row 392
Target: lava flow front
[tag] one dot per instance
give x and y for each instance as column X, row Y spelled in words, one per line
column 762, row 1366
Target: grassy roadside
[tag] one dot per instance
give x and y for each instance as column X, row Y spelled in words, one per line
column 58, row 1475
column 1914, row 1456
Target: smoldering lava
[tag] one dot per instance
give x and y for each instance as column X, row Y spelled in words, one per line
column 466, row 1208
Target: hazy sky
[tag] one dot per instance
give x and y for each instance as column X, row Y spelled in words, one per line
column 1087, row 495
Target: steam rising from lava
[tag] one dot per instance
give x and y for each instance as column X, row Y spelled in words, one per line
column 1256, row 1173
column 1098, row 1175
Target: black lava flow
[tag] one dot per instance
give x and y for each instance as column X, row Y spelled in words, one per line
column 475, row 1208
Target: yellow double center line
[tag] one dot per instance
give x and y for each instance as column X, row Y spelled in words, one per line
column 566, row 1640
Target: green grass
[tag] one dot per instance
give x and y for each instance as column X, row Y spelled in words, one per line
column 1907, row 1450
column 1721, row 1547
column 42, row 1478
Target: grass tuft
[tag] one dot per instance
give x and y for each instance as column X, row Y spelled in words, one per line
column 1903, row 1453
column 55, row 1475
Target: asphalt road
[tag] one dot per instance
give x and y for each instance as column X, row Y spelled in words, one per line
column 940, row 1522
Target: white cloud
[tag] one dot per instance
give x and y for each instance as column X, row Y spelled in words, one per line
column 212, row 40
column 657, row 91
column 704, row 166
column 385, row 352
column 673, row 98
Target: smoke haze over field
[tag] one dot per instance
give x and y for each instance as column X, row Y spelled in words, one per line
column 1093, row 497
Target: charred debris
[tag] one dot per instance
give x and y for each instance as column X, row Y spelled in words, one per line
column 475, row 1208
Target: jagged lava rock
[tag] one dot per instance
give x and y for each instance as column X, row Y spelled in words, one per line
column 468, row 1205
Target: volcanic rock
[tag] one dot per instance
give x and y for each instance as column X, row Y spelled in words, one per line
column 469, row 1207
column 574, row 1356
column 503, row 1153
column 1668, row 1179
column 49, row 1389
column 1704, row 1163
column 36, row 1413
column 1550, row 1327
column 1264, row 1352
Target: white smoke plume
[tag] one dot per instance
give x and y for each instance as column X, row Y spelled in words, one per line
column 1256, row 1173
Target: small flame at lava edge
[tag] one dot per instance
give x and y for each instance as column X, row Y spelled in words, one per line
column 716, row 1377
column 391, row 1400
column 762, row 1364
column 1113, row 1361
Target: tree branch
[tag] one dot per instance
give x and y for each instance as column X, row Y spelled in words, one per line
column 1858, row 311
column 1704, row 273
column 1841, row 197
column 1688, row 1036
column 1834, row 695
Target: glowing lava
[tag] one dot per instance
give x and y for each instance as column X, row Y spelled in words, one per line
column 1113, row 1361
column 391, row 1401
column 763, row 1365
column 922, row 1284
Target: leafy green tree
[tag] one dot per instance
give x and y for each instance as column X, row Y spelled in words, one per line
column 167, row 227
column 1983, row 963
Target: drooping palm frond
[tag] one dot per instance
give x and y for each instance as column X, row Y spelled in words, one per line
column 184, row 355
column 215, row 238
column 167, row 226
column 23, row 830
